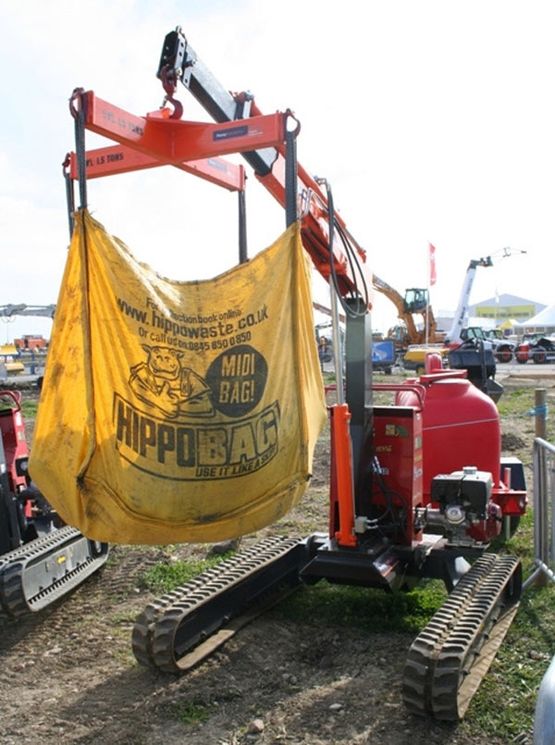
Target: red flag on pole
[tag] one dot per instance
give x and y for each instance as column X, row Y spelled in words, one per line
column 432, row 263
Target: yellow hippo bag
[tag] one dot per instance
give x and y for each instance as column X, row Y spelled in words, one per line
column 177, row 411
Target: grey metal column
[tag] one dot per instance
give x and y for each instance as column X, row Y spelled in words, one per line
column 359, row 390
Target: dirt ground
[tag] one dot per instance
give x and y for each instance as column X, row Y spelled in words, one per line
column 68, row 675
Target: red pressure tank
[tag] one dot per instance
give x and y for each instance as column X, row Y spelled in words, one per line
column 460, row 426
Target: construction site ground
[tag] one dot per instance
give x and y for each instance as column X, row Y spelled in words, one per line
column 68, row 675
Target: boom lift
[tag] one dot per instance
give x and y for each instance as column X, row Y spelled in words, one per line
column 418, row 489
column 466, row 351
column 454, row 333
column 21, row 309
column 469, row 349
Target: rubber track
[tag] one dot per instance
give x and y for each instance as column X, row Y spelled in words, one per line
column 449, row 658
column 155, row 630
column 13, row 602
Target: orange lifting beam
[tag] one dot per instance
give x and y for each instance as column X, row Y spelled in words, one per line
column 173, row 141
column 114, row 159
column 196, row 147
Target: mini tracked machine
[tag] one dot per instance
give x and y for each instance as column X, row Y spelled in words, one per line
column 418, row 487
column 41, row 559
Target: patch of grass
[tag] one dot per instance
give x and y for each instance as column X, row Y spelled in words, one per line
column 519, row 404
column 521, row 543
column 505, row 702
column 363, row 608
column 165, row 577
column 516, row 401
column 124, row 656
column 504, row 705
column 29, row 409
column 191, row 712
column 123, row 617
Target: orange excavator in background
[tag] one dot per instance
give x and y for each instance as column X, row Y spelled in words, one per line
column 415, row 302
column 418, row 489
column 413, row 340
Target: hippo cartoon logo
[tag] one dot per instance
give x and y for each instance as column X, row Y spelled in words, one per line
column 164, row 383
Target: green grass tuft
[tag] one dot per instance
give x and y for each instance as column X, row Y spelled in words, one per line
column 192, row 712
column 29, row 409
column 167, row 576
column 370, row 610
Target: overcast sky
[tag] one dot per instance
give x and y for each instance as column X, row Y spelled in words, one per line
column 433, row 121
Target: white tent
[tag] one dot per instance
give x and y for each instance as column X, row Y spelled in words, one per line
column 543, row 322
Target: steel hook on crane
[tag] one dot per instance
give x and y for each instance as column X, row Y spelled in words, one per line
column 168, row 76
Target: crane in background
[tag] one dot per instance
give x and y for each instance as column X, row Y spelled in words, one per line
column 455, row 333
column 21, row 309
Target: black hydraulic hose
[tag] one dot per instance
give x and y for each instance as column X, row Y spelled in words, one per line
column 355, row 266
column 351, row 258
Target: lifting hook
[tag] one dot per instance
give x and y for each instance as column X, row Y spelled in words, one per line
column 168, row 77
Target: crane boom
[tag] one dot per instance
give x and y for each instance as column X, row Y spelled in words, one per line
column 8, row 311
column 161, row 138
column 179, row 62
column 454, row 333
